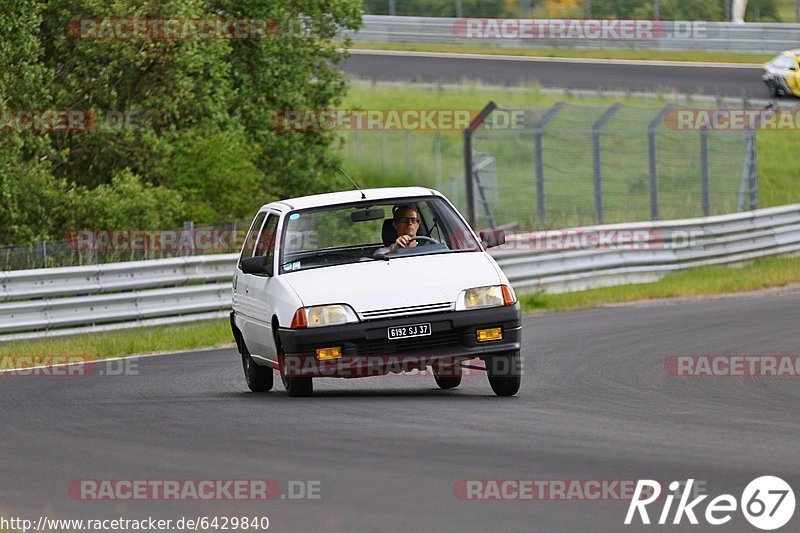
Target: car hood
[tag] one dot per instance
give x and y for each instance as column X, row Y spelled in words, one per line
column 397, row 283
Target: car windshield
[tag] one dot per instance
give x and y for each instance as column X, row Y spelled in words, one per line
column 367, row 231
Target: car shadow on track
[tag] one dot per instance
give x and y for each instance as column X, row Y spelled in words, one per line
column 443, row 395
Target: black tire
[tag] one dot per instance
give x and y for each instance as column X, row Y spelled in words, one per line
column 772, row 87
column 505, row 373
column 447, row 376
column 296, row 386
column 259, row 378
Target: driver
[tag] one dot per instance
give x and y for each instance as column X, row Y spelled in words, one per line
column 406, row 224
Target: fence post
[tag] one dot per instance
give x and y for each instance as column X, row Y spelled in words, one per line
column 384, row 149
column 749, row 184
column 753, row 171
column 704, row 170
column 188, row 226
column 410, row 153
column 598, row 174
column 651, row 151
column 537, row 142
column 437, row 156
column 470, row 190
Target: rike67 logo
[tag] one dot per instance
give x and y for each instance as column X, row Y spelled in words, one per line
column 767, row 503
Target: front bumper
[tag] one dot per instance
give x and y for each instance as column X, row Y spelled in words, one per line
column 366, row 349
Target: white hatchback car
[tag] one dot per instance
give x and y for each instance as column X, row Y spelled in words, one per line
column 322, row 289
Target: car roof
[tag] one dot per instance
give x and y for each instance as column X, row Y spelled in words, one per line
column 346, row 197
column 795, row 52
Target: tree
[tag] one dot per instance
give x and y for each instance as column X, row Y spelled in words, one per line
column 190, row 116
column 296, row 70
column 27, row 190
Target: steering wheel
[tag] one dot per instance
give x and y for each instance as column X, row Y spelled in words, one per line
column 431, row 239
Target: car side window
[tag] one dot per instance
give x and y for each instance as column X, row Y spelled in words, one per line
column 252, row 235
column 266, row 240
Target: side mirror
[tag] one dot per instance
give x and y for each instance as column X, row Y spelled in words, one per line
column 492, row 238
column 257, row 265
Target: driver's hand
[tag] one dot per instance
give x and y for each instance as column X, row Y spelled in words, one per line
column 404, row 241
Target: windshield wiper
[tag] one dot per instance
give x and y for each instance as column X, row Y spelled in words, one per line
column 298, row 256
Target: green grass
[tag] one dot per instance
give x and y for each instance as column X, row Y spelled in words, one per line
column 786, row 10
column 583, row 53
column 202, row 334
column 702, row 281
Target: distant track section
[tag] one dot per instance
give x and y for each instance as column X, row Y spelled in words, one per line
column 723, row 79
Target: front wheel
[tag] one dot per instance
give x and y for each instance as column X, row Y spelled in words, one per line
column 772, row 88
column 259, row 378
column 447, row 376
column 297, row 386
column 505, row 373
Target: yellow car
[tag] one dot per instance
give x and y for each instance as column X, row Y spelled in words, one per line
column 782, row 74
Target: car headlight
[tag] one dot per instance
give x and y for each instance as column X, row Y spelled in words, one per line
column 491, row 296
column 323, row 315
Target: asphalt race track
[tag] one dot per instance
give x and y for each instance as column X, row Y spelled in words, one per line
column 596, row 404
column 741, row 81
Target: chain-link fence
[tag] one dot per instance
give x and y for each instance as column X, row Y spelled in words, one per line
column 570, row 165
column 90, row 247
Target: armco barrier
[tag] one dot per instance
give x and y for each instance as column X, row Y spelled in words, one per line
column 677, row 35
column 62, row 301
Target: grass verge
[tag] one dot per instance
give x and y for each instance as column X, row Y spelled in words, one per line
column 202, row 334
column 704, row 281
column 582, row 53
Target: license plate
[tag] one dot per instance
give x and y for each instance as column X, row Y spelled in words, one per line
column 404, row 332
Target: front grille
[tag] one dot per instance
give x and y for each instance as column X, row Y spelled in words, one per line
column 406, row 311
column 406, row 346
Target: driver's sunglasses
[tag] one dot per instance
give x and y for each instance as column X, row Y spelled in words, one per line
column 408, row 220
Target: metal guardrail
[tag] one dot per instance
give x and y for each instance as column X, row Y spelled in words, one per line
column 110, row 277
column 670, row 35
column 672, row 245
column 63, row 301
